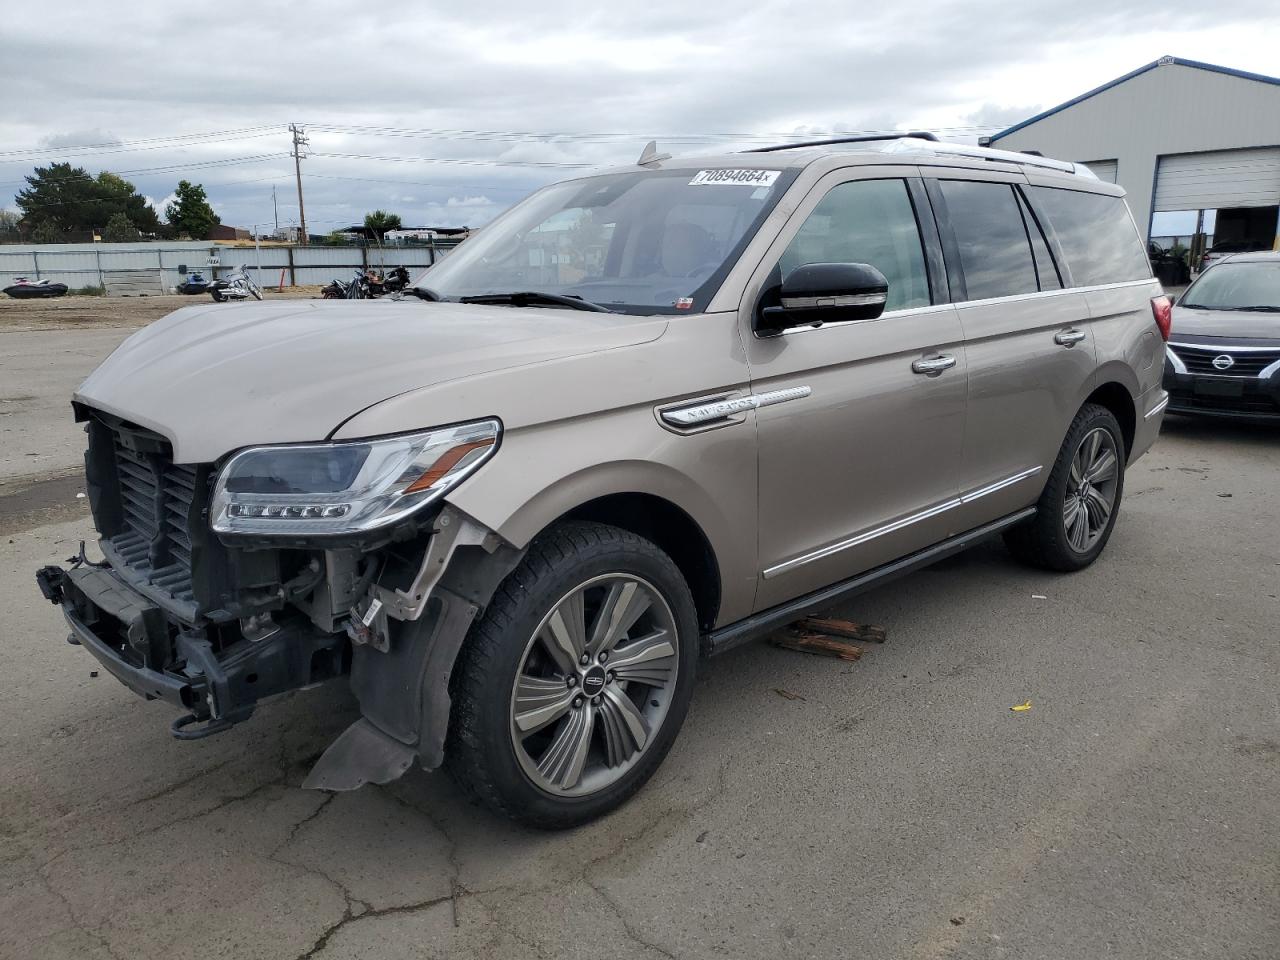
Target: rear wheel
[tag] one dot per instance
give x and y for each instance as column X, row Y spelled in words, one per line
column 1077, row 510
column 572, row 687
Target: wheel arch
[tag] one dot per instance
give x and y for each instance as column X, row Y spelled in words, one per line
column 674, row 531
column 1119, row 399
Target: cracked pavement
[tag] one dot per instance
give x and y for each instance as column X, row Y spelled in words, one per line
column 900, row 809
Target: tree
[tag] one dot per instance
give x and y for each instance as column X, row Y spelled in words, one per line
column 9, row 232
column 190, row 212
column 133, row 205
column 67, row 200
column 120, row 229
column 46, row 232
column 380, row 222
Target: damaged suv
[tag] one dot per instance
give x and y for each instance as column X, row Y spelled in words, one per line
column 647, row 414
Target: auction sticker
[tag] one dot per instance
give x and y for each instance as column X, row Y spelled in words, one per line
column 734, row 178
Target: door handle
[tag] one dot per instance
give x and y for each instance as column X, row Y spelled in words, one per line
column 933, row 365
column 1069, row 338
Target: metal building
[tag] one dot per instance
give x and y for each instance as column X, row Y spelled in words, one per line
column 1178, row 135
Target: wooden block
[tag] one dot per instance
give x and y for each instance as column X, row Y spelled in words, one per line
column 817, row 643
column 866, row 632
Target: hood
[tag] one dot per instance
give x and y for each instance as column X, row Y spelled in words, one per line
column 1239, row 324
column 216, row 377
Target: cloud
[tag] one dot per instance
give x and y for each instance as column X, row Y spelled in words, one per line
column 468, row 202
column 76, row 138
column 559, row 83
column 999, row 117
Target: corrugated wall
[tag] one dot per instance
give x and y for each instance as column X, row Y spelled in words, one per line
column 1171, row 109
column 84, row 265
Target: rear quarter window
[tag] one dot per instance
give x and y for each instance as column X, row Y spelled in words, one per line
column 1097, row 236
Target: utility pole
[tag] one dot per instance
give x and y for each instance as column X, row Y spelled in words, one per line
column 299, row 141
column 275, row 210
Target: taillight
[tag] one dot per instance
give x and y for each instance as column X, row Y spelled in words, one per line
column 1162, row 310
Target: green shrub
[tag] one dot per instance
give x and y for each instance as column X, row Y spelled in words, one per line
column 89, row 291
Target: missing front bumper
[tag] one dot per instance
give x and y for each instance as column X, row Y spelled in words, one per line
column 217, row 680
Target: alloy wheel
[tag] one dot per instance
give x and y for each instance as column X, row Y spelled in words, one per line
column 594, row 685
column 1091, row 489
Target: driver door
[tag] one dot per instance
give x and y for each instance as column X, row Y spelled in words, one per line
column 864, row 467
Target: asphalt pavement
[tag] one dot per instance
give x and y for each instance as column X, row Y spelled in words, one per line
column 892, row 807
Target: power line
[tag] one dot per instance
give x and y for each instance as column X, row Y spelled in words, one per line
column 121, row 146
column 425, row 183
column 476, row 163
column 170, row 168
column 599, row 137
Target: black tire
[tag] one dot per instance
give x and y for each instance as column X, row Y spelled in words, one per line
column 480, row 754
column 1043, row 541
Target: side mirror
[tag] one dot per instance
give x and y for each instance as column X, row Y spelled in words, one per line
column 817, row 293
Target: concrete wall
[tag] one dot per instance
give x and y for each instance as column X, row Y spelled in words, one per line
column 1169, row 109
column 88, row 264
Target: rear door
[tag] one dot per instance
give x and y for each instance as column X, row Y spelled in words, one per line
column 858, row 452
column 1027, row 339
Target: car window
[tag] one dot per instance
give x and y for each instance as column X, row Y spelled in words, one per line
column 866, row 221
column 995, row 253
column 644, row 242
column 1096, row 234
column 1247, row 285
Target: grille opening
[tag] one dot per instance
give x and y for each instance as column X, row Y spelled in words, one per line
column 158, row 501
column 1199, row 360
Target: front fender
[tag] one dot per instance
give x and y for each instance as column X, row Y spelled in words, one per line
column 540, row 475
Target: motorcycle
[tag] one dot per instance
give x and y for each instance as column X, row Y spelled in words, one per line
column 394, row 281
column 237, row 286
column 334, row 290
column 366, row 285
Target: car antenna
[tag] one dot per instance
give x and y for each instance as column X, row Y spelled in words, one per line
column 650, row 154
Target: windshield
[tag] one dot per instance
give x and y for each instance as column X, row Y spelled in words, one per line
column 652, row 241
column 1236, row 286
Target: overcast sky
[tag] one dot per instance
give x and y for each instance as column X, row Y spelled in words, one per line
column 485, row 84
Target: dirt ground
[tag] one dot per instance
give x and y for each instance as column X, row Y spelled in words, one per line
column 69, row 313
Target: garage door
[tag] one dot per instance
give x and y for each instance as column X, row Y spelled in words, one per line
column 1227, row 178
column 1103, row 169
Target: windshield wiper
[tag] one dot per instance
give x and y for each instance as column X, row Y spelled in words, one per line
column 533, row 298
column 1257, row 308
column 424, row 293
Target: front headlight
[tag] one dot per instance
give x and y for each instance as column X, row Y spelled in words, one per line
column 330, row 489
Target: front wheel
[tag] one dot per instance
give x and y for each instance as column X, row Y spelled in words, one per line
column 1077, row 510
column 572, row 687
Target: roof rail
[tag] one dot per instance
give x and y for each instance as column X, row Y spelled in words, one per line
column 914, row 144
column 860, row 138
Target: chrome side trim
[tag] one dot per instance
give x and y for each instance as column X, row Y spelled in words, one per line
column 771, row 397
column 1062, row 291
column 766, row 621
column 887, row 315
column 896, row 525
column 1174, row 360
column 719, row 409
column 844, row 300
column 1159, row 407
column 981, row 492
column 1234, row 348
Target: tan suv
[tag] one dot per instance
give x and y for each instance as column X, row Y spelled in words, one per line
column 648, row 413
